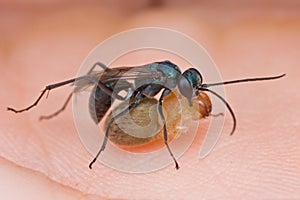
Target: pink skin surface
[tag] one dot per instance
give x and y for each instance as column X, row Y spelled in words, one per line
column 42, row 44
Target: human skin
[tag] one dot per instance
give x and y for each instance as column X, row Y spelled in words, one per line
column 44, row 44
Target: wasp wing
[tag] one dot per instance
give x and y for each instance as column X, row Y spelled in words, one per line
column 115, row 79
column 119, row 78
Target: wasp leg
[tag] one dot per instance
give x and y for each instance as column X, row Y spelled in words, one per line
column 110, row 92
column 103, row 66
column 165, row 93
column 105, row 89
column 57, row 85
column 47, row 88
column 137, row 100
column 58, row 111
column 60, row 84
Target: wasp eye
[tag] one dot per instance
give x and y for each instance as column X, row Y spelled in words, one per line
column 185, row 88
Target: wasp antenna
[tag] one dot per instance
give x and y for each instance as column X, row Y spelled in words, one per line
column 243, row 80
column 227, row 105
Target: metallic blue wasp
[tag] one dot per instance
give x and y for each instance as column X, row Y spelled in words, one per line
column 138, row 83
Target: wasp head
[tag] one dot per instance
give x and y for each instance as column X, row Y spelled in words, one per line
column 189, row 82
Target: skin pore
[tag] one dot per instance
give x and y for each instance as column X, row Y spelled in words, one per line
column 44, row 44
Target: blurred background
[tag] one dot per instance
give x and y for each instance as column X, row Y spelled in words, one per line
column 67, row 30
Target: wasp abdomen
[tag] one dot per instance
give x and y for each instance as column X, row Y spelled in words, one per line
column 99, row 104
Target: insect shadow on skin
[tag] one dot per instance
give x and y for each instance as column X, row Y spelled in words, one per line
column 146, row 81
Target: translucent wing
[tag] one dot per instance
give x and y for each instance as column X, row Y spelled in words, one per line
column 119, row 78
column 129, row 73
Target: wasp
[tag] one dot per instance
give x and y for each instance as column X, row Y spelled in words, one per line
column 138, row 83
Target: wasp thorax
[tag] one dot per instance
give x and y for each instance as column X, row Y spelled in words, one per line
column 141, row 129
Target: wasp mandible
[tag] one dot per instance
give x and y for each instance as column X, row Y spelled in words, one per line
column 139, row 83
